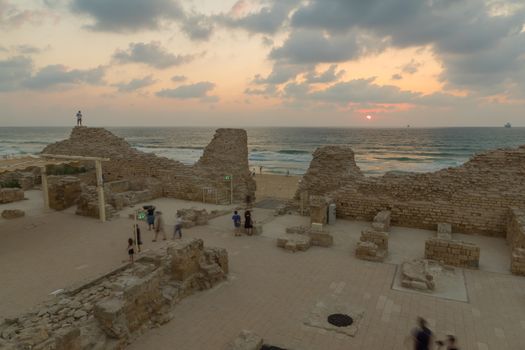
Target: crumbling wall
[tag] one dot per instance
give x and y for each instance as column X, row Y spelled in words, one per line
column 516, row 240
column 452, row 252
column 10, row 195
column 226, row 155
column 473, row 198
column 63, row 191
column 110, row 312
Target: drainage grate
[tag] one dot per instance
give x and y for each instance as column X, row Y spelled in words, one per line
column 271, row 347
column 340, row 320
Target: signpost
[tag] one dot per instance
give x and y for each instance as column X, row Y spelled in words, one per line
column 230, row 178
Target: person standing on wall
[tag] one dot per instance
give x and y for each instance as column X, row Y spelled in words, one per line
column 79, row 118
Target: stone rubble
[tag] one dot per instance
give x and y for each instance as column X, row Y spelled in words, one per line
column 13, row 213
column 246, row 340
column 111, row 311
column 300, row 238
column 373, row 243
column 416, row 274
column 10, row 195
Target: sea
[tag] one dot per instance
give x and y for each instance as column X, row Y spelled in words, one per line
column 289, row 150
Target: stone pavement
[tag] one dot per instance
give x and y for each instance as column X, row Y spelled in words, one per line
column 271, row 292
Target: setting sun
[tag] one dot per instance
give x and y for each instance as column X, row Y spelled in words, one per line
column 369, row 117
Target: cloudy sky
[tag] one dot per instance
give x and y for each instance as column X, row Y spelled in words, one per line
column 265, row 62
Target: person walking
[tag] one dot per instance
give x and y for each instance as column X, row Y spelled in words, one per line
column 260, row 169
column 422, row 335
column 79, row 118
column 178, row 226
column 248, row 224
column 159, row 226
column 236, row 223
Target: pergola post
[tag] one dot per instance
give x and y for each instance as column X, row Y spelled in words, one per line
column 100, row 191
column 45, row 189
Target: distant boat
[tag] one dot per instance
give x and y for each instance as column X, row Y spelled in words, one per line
column 408, row 126
column 508, row 125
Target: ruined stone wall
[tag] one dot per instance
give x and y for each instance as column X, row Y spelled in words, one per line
column 110, row 312
column 9, row 195
column 227, row 154
column 474, row 197
column 452, row 252
column 516, row 240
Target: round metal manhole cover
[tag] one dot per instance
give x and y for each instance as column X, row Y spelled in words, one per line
column 340, row 320
column 271, row 347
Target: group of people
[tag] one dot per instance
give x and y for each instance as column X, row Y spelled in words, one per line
column 423, row 338
column 248, row 223
column 155, row 222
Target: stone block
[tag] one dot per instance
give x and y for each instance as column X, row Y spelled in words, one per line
column 185, row 256
column 452, row 252
column 382, row 221
column 316, row 226
column 10, row 195
column 444, row 231
column 64, row 191
column 110, row 313
column 321, row 239
column 13, row 213
column 246, row 340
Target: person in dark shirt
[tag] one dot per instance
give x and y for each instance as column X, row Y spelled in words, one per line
column 150, row 216
column 248, row 224
column 422, row 335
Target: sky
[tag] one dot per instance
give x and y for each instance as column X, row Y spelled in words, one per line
column 347, row 63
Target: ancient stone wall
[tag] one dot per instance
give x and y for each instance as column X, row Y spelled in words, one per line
column 473, row 198
column 10, row 195
column 226, row 155
column 452, row 252
column 64, row 191
column 516, row 240
column 111, row 311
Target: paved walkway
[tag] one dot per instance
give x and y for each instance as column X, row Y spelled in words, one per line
column 269, row 290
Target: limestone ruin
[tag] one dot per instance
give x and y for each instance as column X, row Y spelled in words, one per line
column 373, row 243
column 10, row 195
column 132, row 176
column 474, row 197
column 300, row 238
column 417, row 274
column 111, row 311
column 516, row 240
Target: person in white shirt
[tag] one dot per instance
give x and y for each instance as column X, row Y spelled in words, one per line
column 178, row 226
column 79, row 118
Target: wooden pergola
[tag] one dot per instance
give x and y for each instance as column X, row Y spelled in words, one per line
column 43, row 160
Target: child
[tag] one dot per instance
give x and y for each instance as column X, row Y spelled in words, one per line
column 237, row 223
column 131, row 251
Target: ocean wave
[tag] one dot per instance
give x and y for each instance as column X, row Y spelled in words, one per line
column 293, row 151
